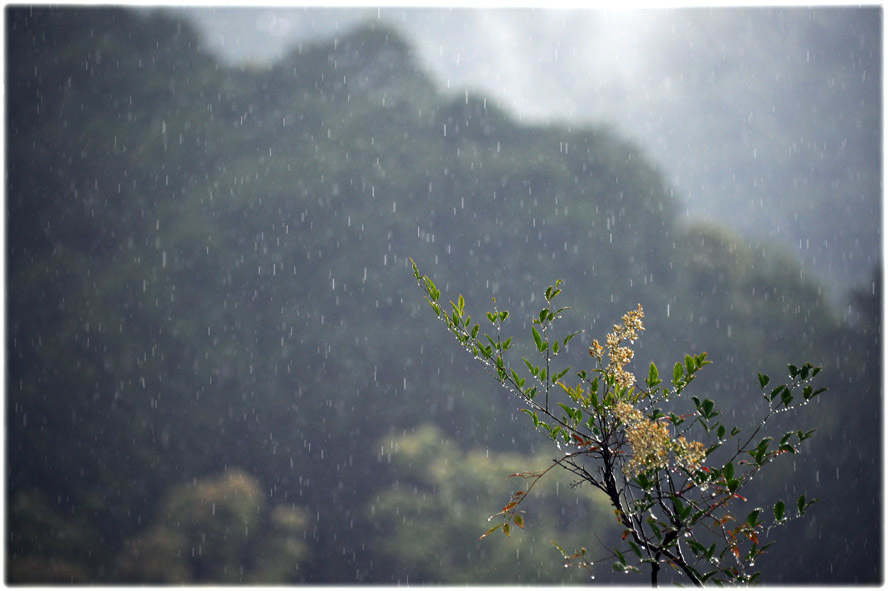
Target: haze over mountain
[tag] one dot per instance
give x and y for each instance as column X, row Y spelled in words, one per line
column 764, row 119
column 220, row 369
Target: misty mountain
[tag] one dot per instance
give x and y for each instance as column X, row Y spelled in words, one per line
column 767, row 120
column 210, row 301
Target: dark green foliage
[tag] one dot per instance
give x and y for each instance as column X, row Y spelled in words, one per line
column 206, row 269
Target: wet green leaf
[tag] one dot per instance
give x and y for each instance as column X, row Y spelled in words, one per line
column 570, row 337
column 779, row 510
column 764, row 380
column 538, row 339
column 753, row 518
column 677, row 373
column 728, row 470
column 653, row 379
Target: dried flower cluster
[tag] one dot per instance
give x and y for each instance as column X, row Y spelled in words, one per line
column 651, row 443
column 618, row 355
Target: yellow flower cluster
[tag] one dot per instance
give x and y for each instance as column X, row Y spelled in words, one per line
column 689, row 454
column 628, row 414
column 651, row 443
column 618, row 355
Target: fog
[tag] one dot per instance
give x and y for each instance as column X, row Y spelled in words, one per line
column 767, row 120
column 221, row 368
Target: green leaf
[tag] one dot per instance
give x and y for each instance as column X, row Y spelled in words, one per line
column 537, row 339
column 786, row 397
column 560, row 375
column 728, row 471
column 808, row 393
column 653, row 378
column 761, row 451
column 635, row 548
column 558, row 312
column 779, row 510
column 763, row 380
column 677, row 373
column 653, row 525
column 805, row 505
column 570, row 337
column 709, row 409
column 533, row 415
column 434, row 306
column 620, row 556
column 806, row 435
column 753, row 518
column 680, row 508
column 697, row 547
column 541, row 319
column 491, row 530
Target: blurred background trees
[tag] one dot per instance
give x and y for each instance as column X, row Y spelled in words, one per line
column 209, row 301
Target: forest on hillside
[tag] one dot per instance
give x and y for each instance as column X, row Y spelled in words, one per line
column 220, row 368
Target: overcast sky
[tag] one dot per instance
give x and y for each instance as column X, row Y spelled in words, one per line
column 753, row 114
